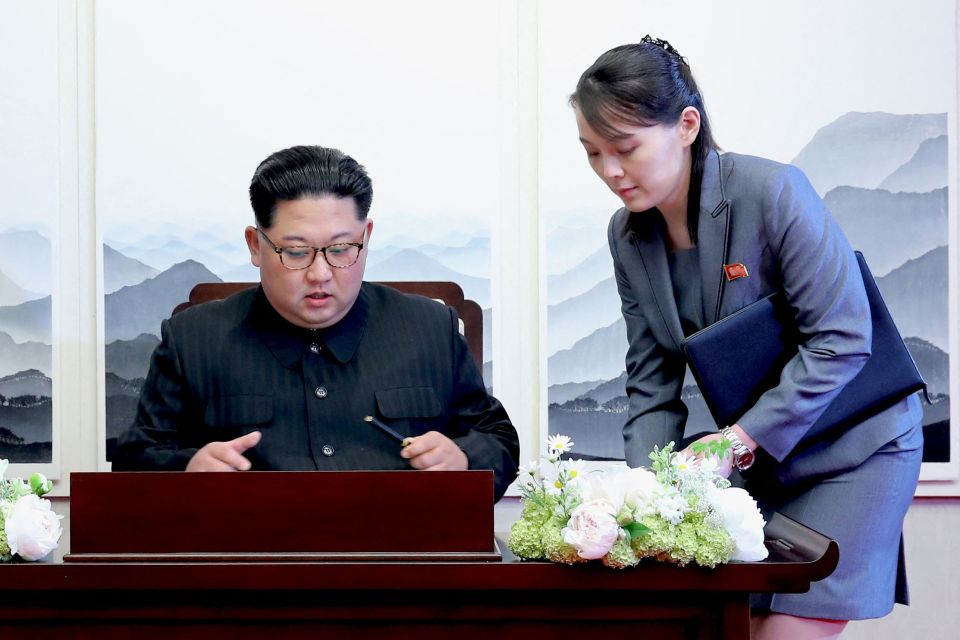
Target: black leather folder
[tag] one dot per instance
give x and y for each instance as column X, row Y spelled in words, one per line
column 740, row 357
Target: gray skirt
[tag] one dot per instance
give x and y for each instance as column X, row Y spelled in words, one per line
column 863, row 510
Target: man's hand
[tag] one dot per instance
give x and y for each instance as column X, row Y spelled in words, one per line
column 434, row 451
column 224, row 456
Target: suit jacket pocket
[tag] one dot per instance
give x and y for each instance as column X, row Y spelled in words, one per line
column 239, row 411
column 408, row 402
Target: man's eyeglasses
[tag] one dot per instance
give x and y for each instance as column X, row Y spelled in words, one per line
column 339, row 256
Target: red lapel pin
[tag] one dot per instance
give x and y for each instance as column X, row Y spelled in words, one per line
column 735, row 270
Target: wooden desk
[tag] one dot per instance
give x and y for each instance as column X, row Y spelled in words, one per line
column 422, row 600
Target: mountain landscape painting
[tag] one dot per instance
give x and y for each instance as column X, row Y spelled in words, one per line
column 884, row 178
column 26, row 416
column 147, row 274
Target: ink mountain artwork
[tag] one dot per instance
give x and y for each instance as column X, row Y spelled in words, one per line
column 26, row 355
column 884, row 178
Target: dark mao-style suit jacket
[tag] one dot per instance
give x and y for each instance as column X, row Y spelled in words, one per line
column 234, row 366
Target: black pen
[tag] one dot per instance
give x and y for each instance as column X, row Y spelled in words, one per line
column 387, row 430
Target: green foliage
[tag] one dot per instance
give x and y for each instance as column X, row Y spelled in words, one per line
column 662, row 464
column 39, row 484
column 621, row 555
column 554, row 548
column 5, row 554
column 719, row 448
column 11, row 490
column 525, row 540
column 694, row 539
column 636, row 529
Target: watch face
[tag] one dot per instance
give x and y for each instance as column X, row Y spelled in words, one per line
column 745, row 460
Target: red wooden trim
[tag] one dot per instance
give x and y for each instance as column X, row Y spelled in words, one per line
column 282, row 512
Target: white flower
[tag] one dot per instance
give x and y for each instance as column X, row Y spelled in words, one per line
column 549, row 477
column 670, row 504
column 32, row 528
column 709, row 464
column 592, row 529
column 684, row 463
column 4, row 463
column 634, row 488
column 559, row 444
column 531, row 469
column 574, row 470
column 742, row 520
column 639, row 487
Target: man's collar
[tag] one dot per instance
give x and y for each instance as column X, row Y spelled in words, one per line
column 343, row 338
column 288, row 341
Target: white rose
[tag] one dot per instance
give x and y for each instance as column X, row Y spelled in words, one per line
column 33, row 529
column 592, row 487
column 592, row 529
column 742, row 520
column 631, row 487
column 639, row 487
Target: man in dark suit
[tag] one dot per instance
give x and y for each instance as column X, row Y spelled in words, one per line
column 280, row 377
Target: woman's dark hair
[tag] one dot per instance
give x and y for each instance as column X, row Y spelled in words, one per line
column 645, row 84
column 308, row 172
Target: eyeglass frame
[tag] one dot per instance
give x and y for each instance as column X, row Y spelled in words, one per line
column 279, row 251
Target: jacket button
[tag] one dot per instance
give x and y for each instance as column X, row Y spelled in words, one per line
column 327, row 450
column 320, row 392
column 315, row 348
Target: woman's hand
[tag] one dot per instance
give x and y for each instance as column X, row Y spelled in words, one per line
column 724, row 463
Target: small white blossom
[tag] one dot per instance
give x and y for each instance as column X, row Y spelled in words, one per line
column 684, row 463
column 670, row 505
column 574, row 470
column 531, row 469
column 708, row 464
column 558, row 444
column 550, row 479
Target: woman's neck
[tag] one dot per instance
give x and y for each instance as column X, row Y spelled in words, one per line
column 674, row 211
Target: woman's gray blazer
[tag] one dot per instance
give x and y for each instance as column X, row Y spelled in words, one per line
column 780, row 230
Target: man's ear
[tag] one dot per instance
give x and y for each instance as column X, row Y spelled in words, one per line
column 253, row 244
column 369, row 232
column 689, row 125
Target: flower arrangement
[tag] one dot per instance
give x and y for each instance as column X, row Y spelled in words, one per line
column 29, row 529
column 679, row 510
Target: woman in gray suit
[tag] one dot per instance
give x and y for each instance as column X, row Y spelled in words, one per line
column 643, row 125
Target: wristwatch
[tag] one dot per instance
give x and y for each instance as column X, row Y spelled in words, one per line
column 743, row 457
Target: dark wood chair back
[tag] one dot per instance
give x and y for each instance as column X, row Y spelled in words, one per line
column 450, row 293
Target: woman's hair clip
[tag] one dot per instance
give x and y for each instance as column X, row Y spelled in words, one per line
column 663, row 44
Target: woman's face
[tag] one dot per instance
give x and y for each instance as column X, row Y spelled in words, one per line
column 646, row 166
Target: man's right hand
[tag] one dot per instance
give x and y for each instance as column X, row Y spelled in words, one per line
column 224, row 456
